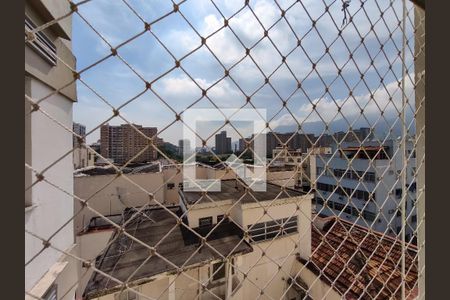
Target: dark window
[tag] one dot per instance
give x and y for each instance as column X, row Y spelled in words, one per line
column 218, row 271
column 369, row 216
column 348, row 209
column 414, row 218
column 338, row 206
column 220, row 217
column 269, row 230
column 398, row 193
column 180, row 185
column 170, row 185
column 205, row 221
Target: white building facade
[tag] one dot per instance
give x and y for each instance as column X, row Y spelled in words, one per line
column 49, row 273
column 366, row 189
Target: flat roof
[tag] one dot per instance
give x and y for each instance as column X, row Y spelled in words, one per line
column 234, row 189
column 125, row 257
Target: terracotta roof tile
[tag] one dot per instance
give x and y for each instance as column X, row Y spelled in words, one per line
column 363, row 264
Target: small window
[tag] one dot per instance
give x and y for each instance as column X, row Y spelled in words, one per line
column 398, row 193
column 220, row 217
column 414, row 219
column 369, row 216
column 51, row 293
column 205, row 221
column 218, row 270
column 170, row 185
column 180, row 185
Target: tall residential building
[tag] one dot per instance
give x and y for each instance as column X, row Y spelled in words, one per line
column 373, row 182
column 223, row 143
column 79, row 129
column 182, row 145
column 48, row 209
column 122, row 143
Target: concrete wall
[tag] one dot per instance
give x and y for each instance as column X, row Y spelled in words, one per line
column 82, row 157
column 318, row 289
column 254, row 213
column 90, row 245
column 208, row 209
column 116, row 195
column 283, row 178
column 40, row 218
column 59, row 75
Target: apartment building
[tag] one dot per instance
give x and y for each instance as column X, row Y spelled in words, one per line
column 284, row 155
column 50, row 274
column 223, row 143
column 363, row 185
column 82, row 156
column 255, row 245
column 79, row 129
column 184, row 145
column 122, row 143
column 240, row 237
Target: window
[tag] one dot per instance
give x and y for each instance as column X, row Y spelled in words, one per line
column 338, row 206
column 218, row 270
column 220, row 217
column 205, row 221
column 319, row 171
column 42, row 45
column 414, row 219
column 269, row 230
column 369, row 216
column 180, row 185
column 127, row 295
column 170, row 185
column 369, row 176
column 398, row 193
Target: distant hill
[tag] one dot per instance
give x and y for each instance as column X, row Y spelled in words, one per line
column 381, row 128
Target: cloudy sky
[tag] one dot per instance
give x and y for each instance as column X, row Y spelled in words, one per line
column 172, row 93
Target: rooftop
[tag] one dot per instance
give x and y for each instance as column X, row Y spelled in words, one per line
column 108, row 169
column 233, row 189
column 154, row 226
column 361, row 263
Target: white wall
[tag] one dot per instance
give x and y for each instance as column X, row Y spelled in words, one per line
column 90, row 245
column 50, row 208
column 115, row 197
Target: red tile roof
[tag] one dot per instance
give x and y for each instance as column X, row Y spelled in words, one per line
column 362, row 264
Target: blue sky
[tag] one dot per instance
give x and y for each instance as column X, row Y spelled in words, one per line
column 117, row 83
